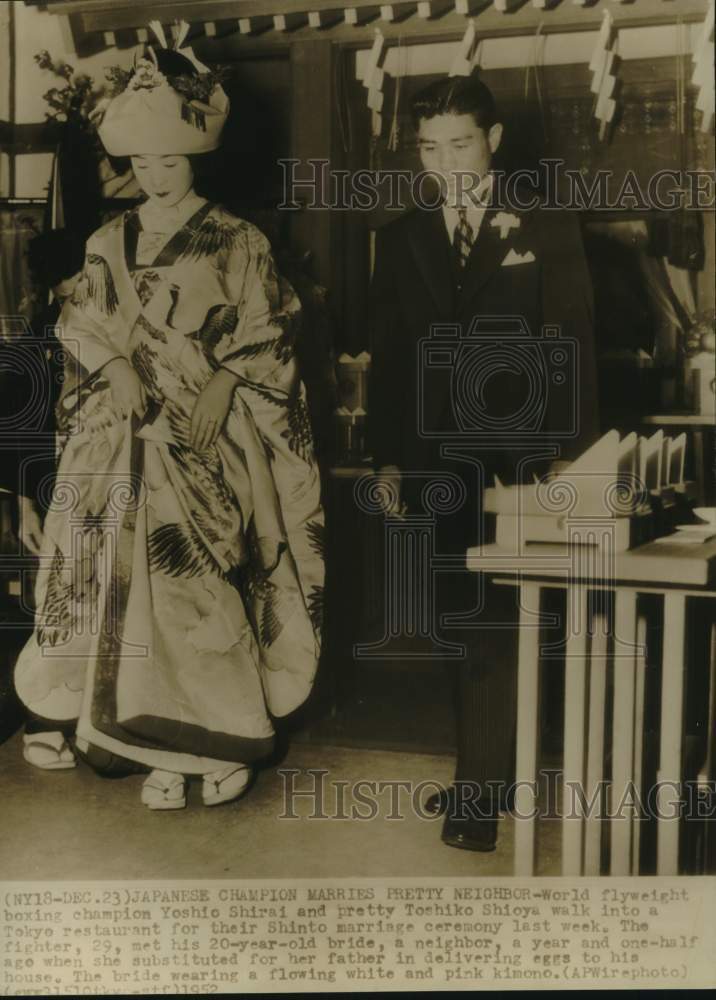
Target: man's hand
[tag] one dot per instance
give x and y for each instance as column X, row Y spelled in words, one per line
column 390, row 483
column 212, row 408
column 30, row 525
column 128, row 392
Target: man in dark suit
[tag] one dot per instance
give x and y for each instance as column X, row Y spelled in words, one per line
column 509, row 402
column 31, row 373
column 30, row 380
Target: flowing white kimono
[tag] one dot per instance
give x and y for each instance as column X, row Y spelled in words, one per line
column 179, row 593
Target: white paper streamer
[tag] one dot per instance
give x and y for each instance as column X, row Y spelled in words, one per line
column 462, row 64
column 158, row 30
column 603, row 80
column 373, row 78
column 703, row 74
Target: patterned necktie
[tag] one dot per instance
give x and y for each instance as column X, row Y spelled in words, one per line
column 463, row 237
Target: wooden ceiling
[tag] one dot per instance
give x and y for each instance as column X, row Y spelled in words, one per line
column 97, row 24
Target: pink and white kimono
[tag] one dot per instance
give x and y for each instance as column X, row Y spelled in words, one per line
column 179, row 594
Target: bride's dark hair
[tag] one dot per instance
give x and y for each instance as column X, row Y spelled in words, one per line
column 173, row 63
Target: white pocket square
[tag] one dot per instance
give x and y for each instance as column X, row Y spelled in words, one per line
column 515, row 258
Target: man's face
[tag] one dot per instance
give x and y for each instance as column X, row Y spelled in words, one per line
column 164, row 179
column 457, row 150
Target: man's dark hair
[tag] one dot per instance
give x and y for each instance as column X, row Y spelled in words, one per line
column 459, row 95
column 55, row 256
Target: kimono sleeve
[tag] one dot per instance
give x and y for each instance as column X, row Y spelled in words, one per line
column 259, row 348
column 91, row 326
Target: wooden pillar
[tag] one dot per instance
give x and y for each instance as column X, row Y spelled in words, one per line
column 312, row 138
column 528, row 723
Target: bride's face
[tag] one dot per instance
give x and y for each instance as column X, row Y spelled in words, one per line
column 164, row 179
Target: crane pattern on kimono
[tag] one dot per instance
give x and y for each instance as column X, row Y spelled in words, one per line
column 184, row 548
column 298, row 434
column 71, row 405
column 96, row 285
column 153, row 331
column 177, row 549
column 145, row 284
column 208, row 496
column 281, row 347
column 78, row 584
column 219, row 321
column 268, row 606
column 316, row 531
column 211, row 237
column 143, row 361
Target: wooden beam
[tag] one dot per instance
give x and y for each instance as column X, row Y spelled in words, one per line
column 434, row 8
column 255, row 25
column 35, row 137
column 489, row 21
column 288, row 22
column 318, row 19
column 356, row 14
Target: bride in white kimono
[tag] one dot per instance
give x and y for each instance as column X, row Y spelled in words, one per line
column 180, row 585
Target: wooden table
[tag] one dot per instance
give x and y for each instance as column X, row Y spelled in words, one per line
column 675, row 571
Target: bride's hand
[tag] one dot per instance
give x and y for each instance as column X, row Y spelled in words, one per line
column 128, row 393
column 211, row 409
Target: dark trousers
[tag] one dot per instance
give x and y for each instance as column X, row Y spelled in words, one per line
column 486, row 677
column 486, row 691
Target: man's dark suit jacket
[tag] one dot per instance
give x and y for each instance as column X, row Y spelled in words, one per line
column 30, row 381
column 417, row 283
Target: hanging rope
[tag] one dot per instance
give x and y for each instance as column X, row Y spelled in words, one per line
column 680, row 93
column 341, row 103
column 537, row 58
column 394, row 136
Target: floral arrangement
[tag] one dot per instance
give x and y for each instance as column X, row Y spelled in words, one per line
column 146, row 75
column 701, row 335
column 78, row 100
column 72, row 102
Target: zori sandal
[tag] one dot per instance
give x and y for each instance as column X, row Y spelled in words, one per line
column 225, row 785
column 48, row 751
column 164, row 790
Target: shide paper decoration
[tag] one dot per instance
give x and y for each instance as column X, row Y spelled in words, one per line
column 373, row 82
column 603, row 77
column 466, row 56
column 703, row 75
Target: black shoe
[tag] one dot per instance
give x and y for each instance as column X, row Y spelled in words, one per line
column 470, row 834
column 443, row 802
column 439, row 803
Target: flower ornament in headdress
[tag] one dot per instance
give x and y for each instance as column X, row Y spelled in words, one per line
column 146, row 73
column 156, row 113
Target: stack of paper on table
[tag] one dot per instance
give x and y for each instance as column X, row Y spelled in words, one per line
column 608, row 489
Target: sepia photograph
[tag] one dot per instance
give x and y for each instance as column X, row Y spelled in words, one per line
column 357, row 496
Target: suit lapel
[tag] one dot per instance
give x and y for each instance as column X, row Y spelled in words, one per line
column 431, row 248
column 488, row 252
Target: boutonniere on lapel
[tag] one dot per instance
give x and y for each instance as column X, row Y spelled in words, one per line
column 505, row 221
